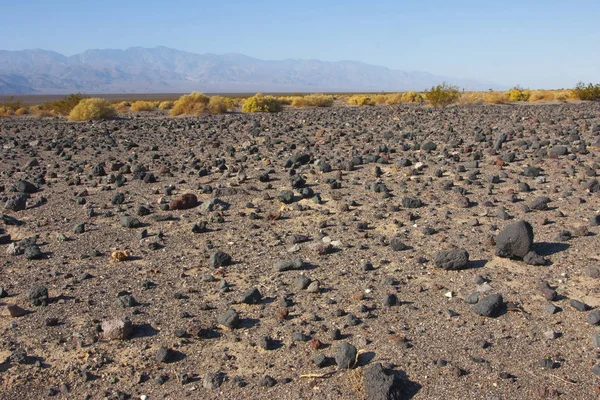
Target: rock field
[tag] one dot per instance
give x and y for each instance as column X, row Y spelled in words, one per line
column 373, row 253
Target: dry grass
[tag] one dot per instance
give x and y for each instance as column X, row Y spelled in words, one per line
column 411, row 97
column 122, row 107
column 393, row 98
column 142, row 105
column 92, row 109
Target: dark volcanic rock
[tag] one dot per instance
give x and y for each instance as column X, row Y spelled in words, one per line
column 230, row 319
column 345, row 356
column 38, row 296
column 382, row 384
column 515, row 240
column 287, row 265
column 452, row 259
column 489, row 306
column 252, row 296
column 219, row 259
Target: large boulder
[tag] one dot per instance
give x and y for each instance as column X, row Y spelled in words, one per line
column 382, row 384
column 515, row 240
column 452, row 259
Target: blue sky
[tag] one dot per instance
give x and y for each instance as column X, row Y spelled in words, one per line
column 533, row 43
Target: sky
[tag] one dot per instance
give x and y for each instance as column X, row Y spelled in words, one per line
column 532, row 43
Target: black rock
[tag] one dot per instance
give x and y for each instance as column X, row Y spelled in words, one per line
column 219, row 259
column 579, row 306
column 130, row 222
column 397, row 245
column 286, row 196
column 452, row 259
column 266, row 343
column 212, row 380
column 382, row 384
column 142, row 211
column 533, row 258
column 229, row 319
column 411, row 202
column 38, row 296
column 3, row 293
column 164, row 355
column 16, row 203
column 489, row 306
column 540, row 203
column 267, row 381
column 320, row 361
column 345, row 357
column 118, row 198
column 593, row 317
column 515, row 240
column 287, row 265
column 79, row 229
column 302, row 282
column 472, row 298
column 33, row 252
column 251, row 296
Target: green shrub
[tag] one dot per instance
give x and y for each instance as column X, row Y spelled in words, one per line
column 442, row 95
column 217, row 105
column 93, row 108
column 190, row 104
column 360, row 100
column 142, row 105
column 589, row 92
column 411, row 97
column 260, row 103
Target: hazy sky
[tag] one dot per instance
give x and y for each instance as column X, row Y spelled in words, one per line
column 534, row 43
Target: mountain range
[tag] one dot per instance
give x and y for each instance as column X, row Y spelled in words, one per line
column 166, row 70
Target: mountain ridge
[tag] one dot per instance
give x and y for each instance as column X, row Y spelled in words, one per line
column 162, row 69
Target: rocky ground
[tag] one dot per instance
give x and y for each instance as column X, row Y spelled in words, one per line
column 345, row 253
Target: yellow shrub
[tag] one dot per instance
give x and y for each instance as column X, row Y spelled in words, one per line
column 379, row 99
column 217, row 105
column 260, row 103
column 393, row 98
column 165, row 105
column 538, row 95
column 442, row 95
column 561, row 95
column 93, row 108
column 360, row 100
column 142, row 105
column 22, row 111
column 313, row 100
column 191, row 104
column 122, row 107
column 590, row 92
column 518, row 94
column 471, row 98
column 289, row 100
column 411, row 97
column 495, row 97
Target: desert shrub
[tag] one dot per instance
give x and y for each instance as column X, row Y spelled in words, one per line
column 288, row 100
column 442, row 95
column 583, row 92
column 411, row 97
column 493, row 97
column 470, row 98
column 142, row 105
column 379, row 99
column 260, row 103
column 165, row 105
column 92, row 108
column 190, row 104
column 313, row 100
column 231, row 102
column 393, row 98
column 22, row 111
column 561, row 95
column 518, row 94
column 122, row 107
column 9, row 107
column 217, row 105
column 64, row 106
column 539, row 95
column 360, row 100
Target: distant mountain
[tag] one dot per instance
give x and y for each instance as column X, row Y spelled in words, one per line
column 165, row 70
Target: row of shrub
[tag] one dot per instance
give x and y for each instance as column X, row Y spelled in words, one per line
column 78, row 107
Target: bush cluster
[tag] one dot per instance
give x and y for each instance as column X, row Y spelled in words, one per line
column 190, row 104
column 442, row 95
column 360, row 100
column 261, row 103
column 142, row 105
column 590, row 92
column 64, row 106
column 312, row 100
column 91, row 109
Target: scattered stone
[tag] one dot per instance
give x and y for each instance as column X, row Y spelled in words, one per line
column 452, row 259
column 515, row 240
